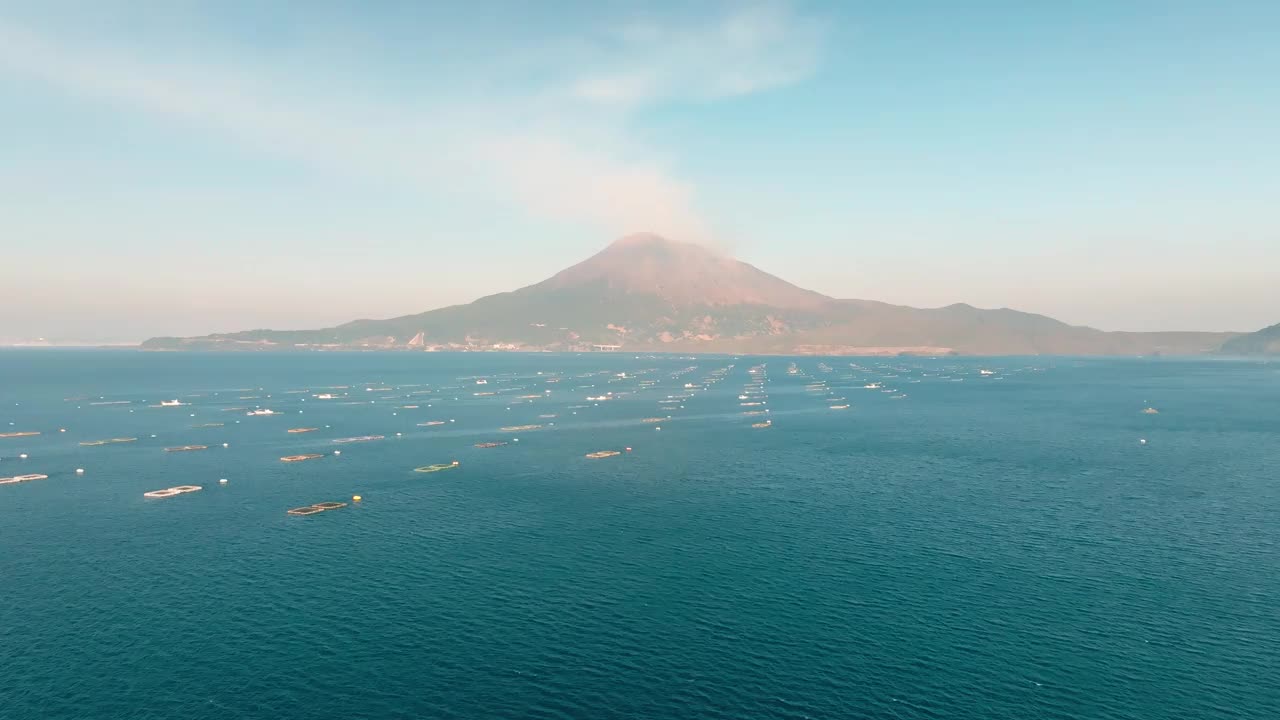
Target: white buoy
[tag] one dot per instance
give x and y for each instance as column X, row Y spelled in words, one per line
column 225, row 445
column 399, row 434
column 222, row 481
column 1142, row 441
column 62, row 429
column 337, row 452
column 79, row 471
column 23, row 456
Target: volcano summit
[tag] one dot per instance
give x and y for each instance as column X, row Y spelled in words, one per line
column 647, row 293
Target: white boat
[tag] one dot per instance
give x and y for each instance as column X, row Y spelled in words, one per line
column 872, row 386
column 263, row 411
column 986, row 372
column 171, row 403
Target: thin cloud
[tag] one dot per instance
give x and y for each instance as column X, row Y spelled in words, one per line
column 553, row 158
column 752, row 49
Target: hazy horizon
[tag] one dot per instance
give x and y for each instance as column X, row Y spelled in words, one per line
column 211, row 167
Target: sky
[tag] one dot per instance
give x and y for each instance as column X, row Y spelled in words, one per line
column 185, row 167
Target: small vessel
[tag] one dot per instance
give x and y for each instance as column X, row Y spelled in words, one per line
column 300, row 458
column 437, row 467
column 302, row 430
column 482, row 382
column 986, row 372
column 430, row 423
column 765, row 424
column 170, row 492
column 263, row 411
column 171, row 403
column 603, row 454
column 326, row 396
column 316, row 508
column 872, row 386
column 839, row 407
column 1151, row 411
column 186, row 448
column 22, row 478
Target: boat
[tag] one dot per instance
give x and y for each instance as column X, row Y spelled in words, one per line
column 765, row 424
column 171, row 403
column 27, row 433
column 186, row 448
column 839, row 407
column 171, row 492
column 602, row 454
column 302, row 430
column 437, row 467
column 482, row 382
column 22, row 478
column 263, row 411
column 316, row 508
column 361, row 438
column 1151, row 411
column 872, row 386
column 490, row 444
column 986, row 372
column 300, row 458
column 326, row 396
column 430, row 423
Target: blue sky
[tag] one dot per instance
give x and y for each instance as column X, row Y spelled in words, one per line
column 188, row 167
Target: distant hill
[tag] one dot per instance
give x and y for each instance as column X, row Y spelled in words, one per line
column 1264, row 342
column 644, row 292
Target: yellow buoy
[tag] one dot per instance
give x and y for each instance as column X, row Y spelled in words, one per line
column 355, row 498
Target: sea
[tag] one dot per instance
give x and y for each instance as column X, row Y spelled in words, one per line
column 970, row 538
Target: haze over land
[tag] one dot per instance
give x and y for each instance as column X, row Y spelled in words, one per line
column 211, row 167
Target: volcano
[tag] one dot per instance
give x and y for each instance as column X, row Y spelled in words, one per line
column 646, row 292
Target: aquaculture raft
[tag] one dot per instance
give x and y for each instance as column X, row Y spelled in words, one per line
column 316, row 508
column 300, row 458
column 170, row 492
column 437, row 467
column 22, row 478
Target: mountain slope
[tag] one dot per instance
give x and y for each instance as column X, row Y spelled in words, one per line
column 644, row 292
column 1263, row 342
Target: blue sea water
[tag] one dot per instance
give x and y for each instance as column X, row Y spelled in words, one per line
column 988, row 546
